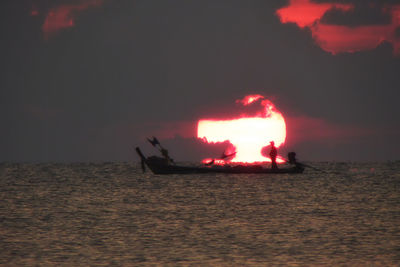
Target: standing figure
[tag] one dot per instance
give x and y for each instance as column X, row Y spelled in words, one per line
column 273, row 153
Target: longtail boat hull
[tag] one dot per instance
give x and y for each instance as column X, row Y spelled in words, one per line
column 161, row 166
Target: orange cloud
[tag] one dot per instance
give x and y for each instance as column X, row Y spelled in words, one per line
column 63, row 16
column 339, row 38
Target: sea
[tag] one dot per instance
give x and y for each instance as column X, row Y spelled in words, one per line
column 113, row 214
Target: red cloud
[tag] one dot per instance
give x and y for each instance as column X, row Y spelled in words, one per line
column 63, row 16
column 305, row 13
column 337, row 38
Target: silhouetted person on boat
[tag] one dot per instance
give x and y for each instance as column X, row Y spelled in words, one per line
column 292, row 158
column 273, row 153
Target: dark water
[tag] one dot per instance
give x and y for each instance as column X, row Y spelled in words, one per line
column 112, row 214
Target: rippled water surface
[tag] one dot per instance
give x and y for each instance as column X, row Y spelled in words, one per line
column 112, row 214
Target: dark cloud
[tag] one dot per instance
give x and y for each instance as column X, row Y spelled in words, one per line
column 362, row 14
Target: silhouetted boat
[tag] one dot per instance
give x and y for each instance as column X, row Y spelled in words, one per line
column 160, row 165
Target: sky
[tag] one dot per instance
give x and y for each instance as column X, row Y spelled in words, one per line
column 89, row 80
